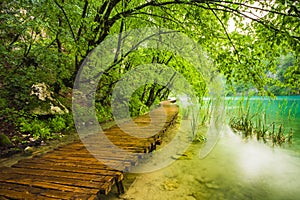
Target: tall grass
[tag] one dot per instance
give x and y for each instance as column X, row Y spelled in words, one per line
column 201, row 117
column 246, row 119
column 252, row 122
column 196, row 115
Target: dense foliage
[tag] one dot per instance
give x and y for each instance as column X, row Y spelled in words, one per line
column 46, row 41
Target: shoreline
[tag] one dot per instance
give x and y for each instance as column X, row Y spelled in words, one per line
column 235, row 169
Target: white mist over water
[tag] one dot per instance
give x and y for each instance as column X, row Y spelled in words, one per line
column 269, row 173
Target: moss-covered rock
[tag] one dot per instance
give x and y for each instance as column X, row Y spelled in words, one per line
column 4, row 140
column 45, row 102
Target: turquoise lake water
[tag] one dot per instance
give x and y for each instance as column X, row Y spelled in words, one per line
column 283, row 110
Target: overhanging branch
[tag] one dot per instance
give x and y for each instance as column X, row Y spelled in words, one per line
column 258, row 20
column 227, row 35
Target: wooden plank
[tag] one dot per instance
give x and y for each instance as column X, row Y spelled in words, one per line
column 72, row 158
column 99, row 153
column 11, row 194
column 41, row 172
column 49, row 185
column 95, row 163
column 103, row 183
column 111, row 165
column 10, row 189
column 143, row 146
column 3, row 197
column 74, row 169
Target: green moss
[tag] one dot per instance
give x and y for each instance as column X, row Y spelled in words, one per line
column 4, row 140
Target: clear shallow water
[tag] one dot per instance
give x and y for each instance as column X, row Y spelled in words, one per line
column 235, row 169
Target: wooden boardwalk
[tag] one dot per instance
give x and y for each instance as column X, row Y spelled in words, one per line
column 72, row 172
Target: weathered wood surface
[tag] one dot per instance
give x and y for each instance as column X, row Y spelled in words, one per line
column 72, row 172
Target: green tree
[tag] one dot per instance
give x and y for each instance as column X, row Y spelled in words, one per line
column 48, row 40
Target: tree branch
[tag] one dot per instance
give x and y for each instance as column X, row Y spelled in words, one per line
column 119, row 38
column 154, row 15
column 228, row 37
column 258, row 8
column 134, row 47
column 269, row 26
column 68, row 21
column 156, row 4
column 84, row 11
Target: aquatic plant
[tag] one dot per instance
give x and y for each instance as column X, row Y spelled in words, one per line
column 205, row 112
column 244, row 124
column 194, row 121
column 200, row 118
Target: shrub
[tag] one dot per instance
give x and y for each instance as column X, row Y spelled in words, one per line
column 58, row 124
column 37, row 128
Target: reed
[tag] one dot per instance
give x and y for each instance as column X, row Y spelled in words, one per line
column 270, row 133
column 200, row 117
column 205, row 112
column 195, row 113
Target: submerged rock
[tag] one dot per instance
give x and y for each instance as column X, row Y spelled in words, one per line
column 170, row 185
column 184, row 156
column 212, row 185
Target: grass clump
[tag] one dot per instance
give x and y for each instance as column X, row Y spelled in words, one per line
column 254, row 124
